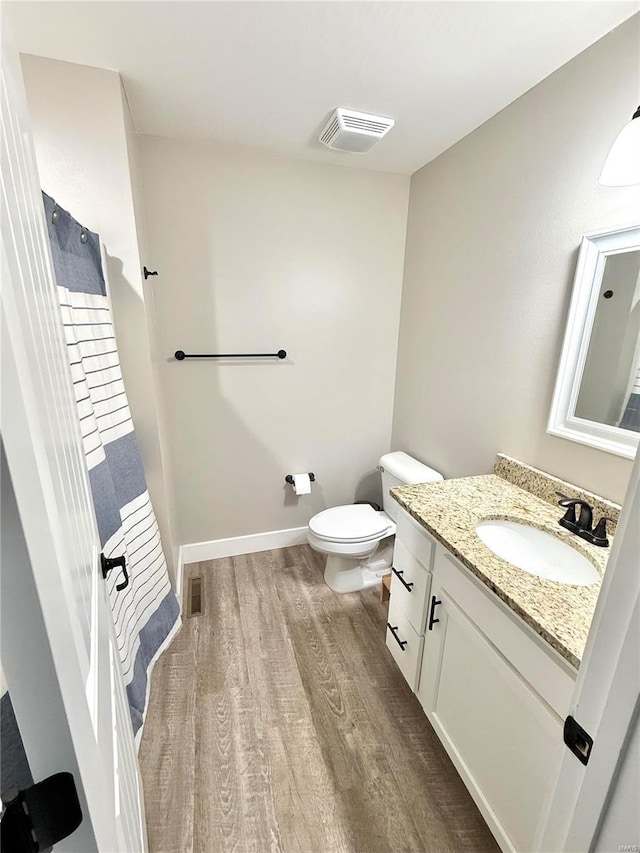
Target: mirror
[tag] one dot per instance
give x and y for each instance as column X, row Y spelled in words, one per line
column 597, row 395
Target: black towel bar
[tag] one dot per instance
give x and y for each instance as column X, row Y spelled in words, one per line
column 180, row 355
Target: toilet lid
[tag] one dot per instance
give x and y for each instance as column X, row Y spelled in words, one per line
column 352, row 523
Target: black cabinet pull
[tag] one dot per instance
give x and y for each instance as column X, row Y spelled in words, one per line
column 432, row 620
column 398, row 573
column 401, row 643
column 109, row 563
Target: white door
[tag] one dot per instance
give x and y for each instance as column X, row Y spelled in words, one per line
column 41, row 438
column 595, row 806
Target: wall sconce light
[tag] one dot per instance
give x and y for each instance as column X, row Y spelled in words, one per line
column 622, row 166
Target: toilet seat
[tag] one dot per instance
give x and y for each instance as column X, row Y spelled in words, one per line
column 352, row 523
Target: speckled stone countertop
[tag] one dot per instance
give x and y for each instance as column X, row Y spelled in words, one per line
column 450, row 511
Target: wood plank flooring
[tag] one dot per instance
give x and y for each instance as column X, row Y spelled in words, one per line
column 278, row 721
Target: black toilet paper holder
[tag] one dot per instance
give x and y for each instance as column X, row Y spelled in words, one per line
column 289, row 478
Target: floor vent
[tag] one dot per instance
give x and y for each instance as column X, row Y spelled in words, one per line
column 195, row 599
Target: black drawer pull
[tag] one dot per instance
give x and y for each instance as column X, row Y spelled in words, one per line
column 432, row 620
column 401, row 643
column 398, row 573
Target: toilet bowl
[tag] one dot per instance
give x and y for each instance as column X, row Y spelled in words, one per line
column 351, row 536
column 357, row 539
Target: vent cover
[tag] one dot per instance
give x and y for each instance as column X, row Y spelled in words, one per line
column 195, row 597
column 348, row 130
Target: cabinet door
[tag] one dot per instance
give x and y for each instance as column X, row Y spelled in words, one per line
column 504, row 740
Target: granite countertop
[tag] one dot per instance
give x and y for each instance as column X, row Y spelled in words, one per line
column 450, row 511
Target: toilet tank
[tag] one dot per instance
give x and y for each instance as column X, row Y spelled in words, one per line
column 400, row 469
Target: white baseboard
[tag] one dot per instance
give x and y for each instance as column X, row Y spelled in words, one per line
column 180, row 576
column 196, row 552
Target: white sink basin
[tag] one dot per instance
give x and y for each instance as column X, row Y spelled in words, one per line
column 537, row 552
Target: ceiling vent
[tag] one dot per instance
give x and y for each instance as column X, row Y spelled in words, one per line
column 348, row 130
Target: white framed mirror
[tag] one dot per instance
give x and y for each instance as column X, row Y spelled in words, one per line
column 597, row 394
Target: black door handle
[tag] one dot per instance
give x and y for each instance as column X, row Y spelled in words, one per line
column 41, row 815
column 398, row 573
column 401, row 643
column 577, row 739
column 109, row 563
column 432, row 620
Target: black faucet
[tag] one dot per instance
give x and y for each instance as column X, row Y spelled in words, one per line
column 584, row 521
column 583, row 525
column 599, row 535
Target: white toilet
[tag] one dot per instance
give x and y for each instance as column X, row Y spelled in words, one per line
column 357, row 539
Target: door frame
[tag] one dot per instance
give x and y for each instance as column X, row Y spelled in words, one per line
column 606, row 694
column 45, row 734
column 44, row 653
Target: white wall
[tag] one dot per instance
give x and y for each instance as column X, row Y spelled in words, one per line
column 83, row 140
column 258, row 253
column 494, row 227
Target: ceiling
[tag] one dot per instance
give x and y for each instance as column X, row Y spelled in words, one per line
column 268, row 74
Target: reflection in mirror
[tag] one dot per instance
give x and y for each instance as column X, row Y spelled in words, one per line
column 610, row 386
column 597, row 395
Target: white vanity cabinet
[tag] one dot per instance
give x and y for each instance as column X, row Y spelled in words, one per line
column 412, row 561
column 497, row 696
column 495, row 693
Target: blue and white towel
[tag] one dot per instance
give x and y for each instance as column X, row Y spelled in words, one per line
column 146, row 614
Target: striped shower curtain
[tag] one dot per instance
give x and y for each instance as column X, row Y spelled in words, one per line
column 146, row 612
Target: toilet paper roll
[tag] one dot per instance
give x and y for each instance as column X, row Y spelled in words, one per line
column 301, row 484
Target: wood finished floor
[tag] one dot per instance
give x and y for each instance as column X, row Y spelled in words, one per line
column 278, row 721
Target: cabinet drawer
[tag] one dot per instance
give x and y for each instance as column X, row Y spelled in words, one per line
column 409, row 572
column 415, row 539
column 404, row 644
